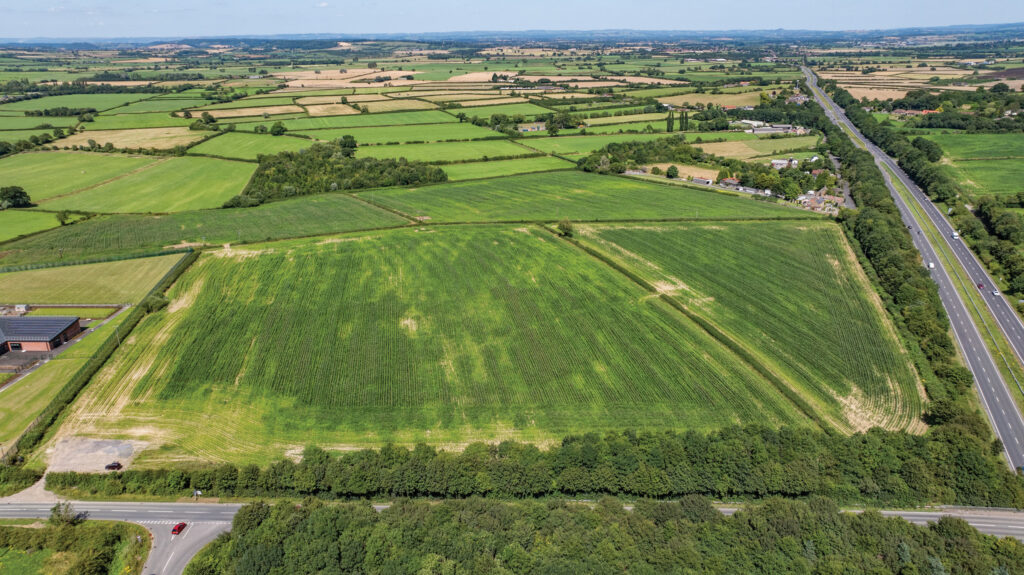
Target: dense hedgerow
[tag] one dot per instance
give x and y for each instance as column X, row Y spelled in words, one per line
column 690, row 536
column 949, row 465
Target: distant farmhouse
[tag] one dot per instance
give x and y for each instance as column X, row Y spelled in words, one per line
column 28, row 333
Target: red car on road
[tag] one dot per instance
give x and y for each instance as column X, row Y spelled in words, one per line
column 981, row 286
column 178, row 528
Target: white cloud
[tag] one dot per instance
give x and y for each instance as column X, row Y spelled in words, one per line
column 322, row 5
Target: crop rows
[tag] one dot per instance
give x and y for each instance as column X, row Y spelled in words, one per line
column 469, row 327
column 791, row 293
column 572, row 194
column 128, row 234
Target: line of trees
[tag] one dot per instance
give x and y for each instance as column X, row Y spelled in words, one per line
column 788, row 182
column 995, row 233
column 689, row 536
column 328, row 167
column 955, row 463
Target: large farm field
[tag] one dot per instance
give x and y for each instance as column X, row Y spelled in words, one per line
column 118, row 235
column 14, row 223
column 125, row 281
column 810, row 314
column 173, row 185
column 979, row 177
column 406, row 134
column 571, row 194
column 347, row 302
column 248, row 146
column 46, row 175
column 747, row 149
column 579, row 145
column 447, row 151
column 447, row 334
column 476, row 170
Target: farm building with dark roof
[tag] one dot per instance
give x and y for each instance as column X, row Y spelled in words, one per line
column 36, row 333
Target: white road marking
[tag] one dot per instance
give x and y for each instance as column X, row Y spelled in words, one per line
column 168, row 561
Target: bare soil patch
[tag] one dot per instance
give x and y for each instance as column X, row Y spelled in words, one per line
column 160, row 138
column 331, row 110
column 90, row 455
column 255, row 111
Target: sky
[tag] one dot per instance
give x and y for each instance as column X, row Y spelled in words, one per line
column 191, row 18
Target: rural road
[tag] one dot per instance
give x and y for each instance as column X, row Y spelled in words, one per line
column 995, row 396
column 171, row 553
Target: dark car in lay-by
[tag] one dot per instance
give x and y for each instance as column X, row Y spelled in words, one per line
column 115, row 466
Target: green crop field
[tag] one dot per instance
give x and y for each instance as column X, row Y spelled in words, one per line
column 989, row 176
column 983, row 163
column 132, row 234
column 82, row 312
column 658, row 118
column 573, row 145
column 47, row 175
column 30, row 122
column 808, row 314
column 18, row 135
column 403, row 134
column 176, row 184
column 160, row 105
column 525, row 109
column 446, row 151
column 475, row 170
column 571, row 194
column 14, row 223
column 450, row 334
column 116, row 282
column 129, row 121
column 248, row 146
column 980, row 146
column 362, row 120
column 98, row 101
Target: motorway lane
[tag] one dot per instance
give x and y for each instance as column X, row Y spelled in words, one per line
column 995, row 396
column 170, row 553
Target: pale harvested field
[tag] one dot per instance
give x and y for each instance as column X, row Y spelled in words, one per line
column 396, row 105
column 737, row 149
column 481, row 76
column 330, row 110
column 324, row 74
column 140, row 60
column 311, row 100
column 459, row 96
column 355, row 98
column 256, row 111
column 160, row 138
column 491, row 102
column 652, row 117
column 875, row 93
column 450, row 86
